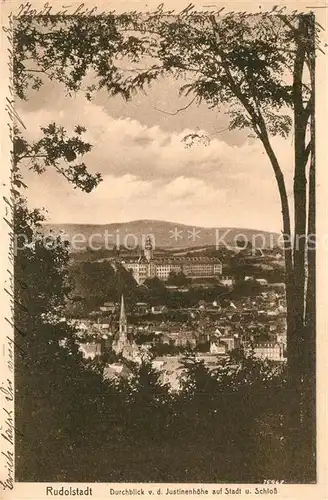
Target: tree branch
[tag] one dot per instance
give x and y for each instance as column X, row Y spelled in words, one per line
column 29, row 70
column 307, row 152
column 308, row 109
column 178, row 110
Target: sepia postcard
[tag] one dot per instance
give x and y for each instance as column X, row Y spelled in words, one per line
column 163, row 249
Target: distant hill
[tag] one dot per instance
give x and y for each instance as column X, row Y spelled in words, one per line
column 165, row 234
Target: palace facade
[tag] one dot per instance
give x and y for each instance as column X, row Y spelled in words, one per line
column 148, row 266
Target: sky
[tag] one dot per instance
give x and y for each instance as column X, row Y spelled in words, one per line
column 148, row 172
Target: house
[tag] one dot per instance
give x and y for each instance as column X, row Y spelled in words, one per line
column 90, row 349
column 273, row 313
column 105, row 309
column 158, row 364
column 102, row 326
column 159, row 309
column 232, row 342
column 108, row 307
column 218, row 348
column 80, row 325
column 261, row 281
column 282, row 338
column 269, row 350
column 183, row 339
column 227, row 281
column 165, row 339
column 141, row 308
column 279, row 287
column 116, row 370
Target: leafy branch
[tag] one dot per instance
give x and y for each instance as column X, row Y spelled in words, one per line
column 54, row 150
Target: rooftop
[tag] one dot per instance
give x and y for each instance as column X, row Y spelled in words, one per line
column 174, row 260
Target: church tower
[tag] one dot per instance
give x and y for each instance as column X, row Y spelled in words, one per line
column 125, row 347
column 123, row 324
column 148, row 251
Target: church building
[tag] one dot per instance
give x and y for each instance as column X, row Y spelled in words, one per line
column 123, row 344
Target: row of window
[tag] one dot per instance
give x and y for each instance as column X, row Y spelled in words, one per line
column 162, row 271
column 169, row 267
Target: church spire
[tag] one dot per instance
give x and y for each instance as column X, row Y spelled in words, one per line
column 123, row 320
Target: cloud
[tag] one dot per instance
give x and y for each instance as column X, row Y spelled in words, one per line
column 149, row 173
column 124, row 145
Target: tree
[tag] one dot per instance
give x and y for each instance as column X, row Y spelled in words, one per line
column 244, row 399
column 177, row 279
column 54, row 150
column 50, row 374
column 243, row 62
column 157, row 291
column 94, row 283
column 51, row 378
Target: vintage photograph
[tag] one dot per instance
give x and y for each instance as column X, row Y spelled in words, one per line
column 163, row 194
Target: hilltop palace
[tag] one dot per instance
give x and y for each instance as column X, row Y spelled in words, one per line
column 148, row 266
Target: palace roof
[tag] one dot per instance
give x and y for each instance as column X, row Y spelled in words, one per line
column 176, row 260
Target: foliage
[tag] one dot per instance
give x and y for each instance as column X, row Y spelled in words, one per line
column 177, row 279
column 147, row 417
column 51, row 378
column 237, row 399
column 156, row 289
column 42, row 47
column 54, row 150
column 161, row 349
column 52, row 381
column 233, row 58
column 94, row 283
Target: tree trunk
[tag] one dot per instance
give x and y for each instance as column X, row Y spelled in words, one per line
column 301, row 335
column 309, row 403
column 295, row 254
column 295, row 333
column 309, row 381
